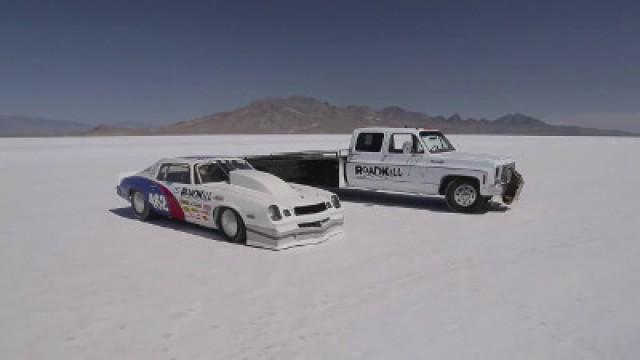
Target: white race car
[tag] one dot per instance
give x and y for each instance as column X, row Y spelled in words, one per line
column 249, row 206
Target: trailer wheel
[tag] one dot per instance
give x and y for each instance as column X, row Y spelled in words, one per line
column 140, row 206
column 463, row 196
column 232, row 226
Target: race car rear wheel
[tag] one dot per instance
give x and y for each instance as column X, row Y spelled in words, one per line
column 232, row 226
column 463, row 196
column 140, row 206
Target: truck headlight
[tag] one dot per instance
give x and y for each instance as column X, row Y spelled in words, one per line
column 274, row 213
column 335, row 201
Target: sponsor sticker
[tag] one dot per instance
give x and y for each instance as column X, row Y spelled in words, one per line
column 195, row 194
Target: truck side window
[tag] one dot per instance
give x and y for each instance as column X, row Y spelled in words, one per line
column 369, row 142
column 397, row 141
column 175, row 173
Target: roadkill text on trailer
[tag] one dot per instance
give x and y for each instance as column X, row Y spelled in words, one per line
column 403, row 160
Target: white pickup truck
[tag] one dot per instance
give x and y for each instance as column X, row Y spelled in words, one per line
column 402, row 160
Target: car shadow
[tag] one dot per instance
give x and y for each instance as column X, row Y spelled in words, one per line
column 177, row 225
column 410, row 201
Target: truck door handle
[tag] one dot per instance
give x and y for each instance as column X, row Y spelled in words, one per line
column 437, row 161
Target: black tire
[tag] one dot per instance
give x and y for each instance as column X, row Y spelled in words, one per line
column 240, row 234
column 463, row 195
column 143, row 212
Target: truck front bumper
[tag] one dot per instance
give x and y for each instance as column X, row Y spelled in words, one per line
column 509, row 191
column 288, row 236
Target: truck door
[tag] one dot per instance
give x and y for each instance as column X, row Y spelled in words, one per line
column 403, row 158
column 364, row 165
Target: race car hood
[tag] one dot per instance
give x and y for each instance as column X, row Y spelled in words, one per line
column 470, row 160
column 272, row 185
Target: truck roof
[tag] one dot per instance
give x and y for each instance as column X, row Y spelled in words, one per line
column 382, row 129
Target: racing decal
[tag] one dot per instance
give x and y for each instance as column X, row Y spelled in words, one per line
column 158, row 196
column 159, row 202
column 194, row 203
column 378, row 171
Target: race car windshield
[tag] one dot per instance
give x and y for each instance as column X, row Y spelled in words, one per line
column 435, row 142
column 219, row 171
column 230, row 165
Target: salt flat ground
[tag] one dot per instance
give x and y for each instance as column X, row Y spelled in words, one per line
column 555, row 277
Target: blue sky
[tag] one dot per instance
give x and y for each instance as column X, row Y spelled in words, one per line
column 163, row 61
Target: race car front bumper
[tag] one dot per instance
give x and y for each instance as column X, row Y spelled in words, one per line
column 295, row 234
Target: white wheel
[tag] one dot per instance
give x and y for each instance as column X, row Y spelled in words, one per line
column 229, row 223
column 138, row 202
column 232, row 226
column 465, row 195
column 140, row 206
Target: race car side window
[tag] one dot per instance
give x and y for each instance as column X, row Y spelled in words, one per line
column 175, row 173
column 210, row 173
column 369, row 142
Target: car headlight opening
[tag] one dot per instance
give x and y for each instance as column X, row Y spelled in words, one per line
column 274, row 213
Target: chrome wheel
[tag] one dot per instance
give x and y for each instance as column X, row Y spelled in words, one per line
column 465, row 195
column 229, row 223
column 138, row 202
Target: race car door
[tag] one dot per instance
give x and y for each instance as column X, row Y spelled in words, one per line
column 403, row 154
column 177, row 177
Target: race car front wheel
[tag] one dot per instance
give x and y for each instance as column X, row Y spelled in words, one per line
column 140, row 206
column 232, row 226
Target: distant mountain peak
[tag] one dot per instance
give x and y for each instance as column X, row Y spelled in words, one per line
column 520, row 119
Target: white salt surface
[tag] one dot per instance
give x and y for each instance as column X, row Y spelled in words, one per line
column 555, row 277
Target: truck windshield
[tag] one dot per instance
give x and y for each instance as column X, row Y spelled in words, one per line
column 435, row 142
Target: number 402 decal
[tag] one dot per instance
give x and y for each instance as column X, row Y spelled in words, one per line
column 158, row 201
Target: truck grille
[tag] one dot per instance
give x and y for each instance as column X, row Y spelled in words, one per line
column 310, row 209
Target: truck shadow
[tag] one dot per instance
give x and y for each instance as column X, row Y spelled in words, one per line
column 177, row 225
column 410, row 201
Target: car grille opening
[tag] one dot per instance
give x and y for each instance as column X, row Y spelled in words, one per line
column 313, row 224
column 310, row 209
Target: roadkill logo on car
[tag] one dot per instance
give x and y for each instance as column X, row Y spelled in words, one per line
column 195, row 194
column 378, row 171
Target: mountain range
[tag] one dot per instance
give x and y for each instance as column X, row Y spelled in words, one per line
column 303, row 114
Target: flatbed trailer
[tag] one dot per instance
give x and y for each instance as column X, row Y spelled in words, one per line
column 313, row 167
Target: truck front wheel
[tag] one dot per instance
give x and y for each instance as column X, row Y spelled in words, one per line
column 463, row 196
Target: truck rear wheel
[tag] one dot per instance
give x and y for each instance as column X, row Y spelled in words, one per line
column 463, row 196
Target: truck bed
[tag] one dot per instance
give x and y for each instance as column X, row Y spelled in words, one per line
column 314, row 168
